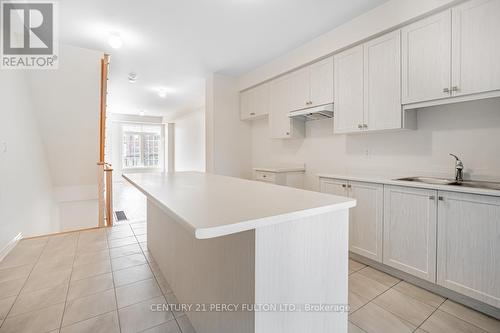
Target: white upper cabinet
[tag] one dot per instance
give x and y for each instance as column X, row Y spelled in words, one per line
column 246, row 108
column 312, row 85
column 476, row 47
column 427, row 58
column 469, row 245
column 453, row 54
column 368, row 87
column 299, row 85
column 280, row 125
column 382, row 82
column 304, row 88
column 410, row 217
column 321, row 82
column 255, row 102
column 348, row 87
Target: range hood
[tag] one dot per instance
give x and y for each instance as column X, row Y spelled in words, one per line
column 315, row 113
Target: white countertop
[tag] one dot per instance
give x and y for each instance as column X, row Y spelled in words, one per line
column 392, row 181
column 281, row 169
column 210, row 206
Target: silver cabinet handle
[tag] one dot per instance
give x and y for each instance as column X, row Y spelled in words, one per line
column 440, row 198
column 252, row 113
column 365, row 126
column 344, row 185
column 431, row 197
column 287, row 133
column 446, row 90
column 349, row 186
column 454, row 88
column 360, row 126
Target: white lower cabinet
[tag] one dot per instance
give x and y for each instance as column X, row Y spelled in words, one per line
column 469, row 245
column 410, row 217
column 448, row 238
column 365, row 220
column 365, row 225
column 286, row 178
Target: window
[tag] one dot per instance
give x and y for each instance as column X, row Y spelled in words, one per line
column 141, row 146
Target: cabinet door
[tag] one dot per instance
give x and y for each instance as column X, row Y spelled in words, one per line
column 476, row 47
column 382, row 82
column 333, row 186
column 246, row 108
column 426, row 58
column 279, row 122
column 366, row 219
column 261, row 100
column 410, row 230
column 321, row 82
column 469, row 245
column 300, row 93
column 348, row 87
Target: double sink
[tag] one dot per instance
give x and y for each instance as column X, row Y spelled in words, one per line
column 452, row 182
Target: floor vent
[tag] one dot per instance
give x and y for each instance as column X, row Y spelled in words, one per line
column 120, row 215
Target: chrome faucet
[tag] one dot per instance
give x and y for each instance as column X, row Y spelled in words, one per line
column 459, row 167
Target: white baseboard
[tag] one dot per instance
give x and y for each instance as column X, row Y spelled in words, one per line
column 10, row 245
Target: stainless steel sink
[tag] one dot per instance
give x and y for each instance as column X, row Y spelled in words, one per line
column 478, row 184
column 430, row 180
column 444, row 181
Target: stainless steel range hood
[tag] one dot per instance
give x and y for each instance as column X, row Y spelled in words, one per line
column 315, row 113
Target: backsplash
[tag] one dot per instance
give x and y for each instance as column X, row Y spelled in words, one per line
column 470, row 130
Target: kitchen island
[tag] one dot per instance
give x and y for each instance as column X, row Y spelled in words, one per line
column 246, row 256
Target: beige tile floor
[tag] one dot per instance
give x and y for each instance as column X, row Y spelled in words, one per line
column 130, row 200
column 101, row 280
column 380, row 303
column 105, row 280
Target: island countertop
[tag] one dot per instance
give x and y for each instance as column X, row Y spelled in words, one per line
column 210, row 205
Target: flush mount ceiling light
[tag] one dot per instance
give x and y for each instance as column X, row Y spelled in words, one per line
column 115, row 40
column 132, row 77
column 162, row 93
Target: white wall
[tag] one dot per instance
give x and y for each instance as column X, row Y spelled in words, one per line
column 471, row 130
column 190, row 141
column 66, row 103
column 387, row 16
column 26, row 199
column 227, row 138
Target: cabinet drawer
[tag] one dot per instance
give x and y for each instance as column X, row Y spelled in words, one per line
column 265, row 176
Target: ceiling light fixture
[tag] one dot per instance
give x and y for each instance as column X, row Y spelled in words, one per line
column 132, row 77
column 115, row 40
column 162, row 93
column 141, row 113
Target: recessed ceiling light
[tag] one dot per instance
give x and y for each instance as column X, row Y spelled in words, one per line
column 162, row 93
column 132, row 77
column 115, row 40
column 141, row 113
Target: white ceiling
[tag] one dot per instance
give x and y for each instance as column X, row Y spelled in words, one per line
column 175, row 44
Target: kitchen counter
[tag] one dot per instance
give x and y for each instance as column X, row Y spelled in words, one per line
column 227, row 205
column 281, row 169
column 393, row 181
column 222, row 240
